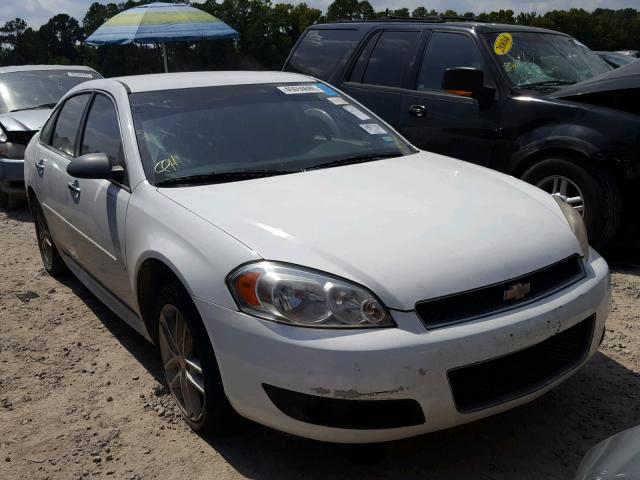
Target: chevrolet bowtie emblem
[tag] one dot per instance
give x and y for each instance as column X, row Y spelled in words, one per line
column 517, row 291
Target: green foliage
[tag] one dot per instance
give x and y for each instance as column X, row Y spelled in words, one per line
column 267, row 33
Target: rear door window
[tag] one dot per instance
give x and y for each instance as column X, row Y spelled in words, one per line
column 447, row 50
column 390, row 58
column 322, row 52
column 65, row 131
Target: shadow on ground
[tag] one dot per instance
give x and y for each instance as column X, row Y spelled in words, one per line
column 19, row 213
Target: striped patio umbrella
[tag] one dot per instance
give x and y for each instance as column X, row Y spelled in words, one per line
column 160, row 23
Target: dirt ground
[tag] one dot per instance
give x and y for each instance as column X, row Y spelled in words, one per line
column 81, row 396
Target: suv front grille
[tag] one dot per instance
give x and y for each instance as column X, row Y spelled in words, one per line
column 464, row 306
column 496, row 381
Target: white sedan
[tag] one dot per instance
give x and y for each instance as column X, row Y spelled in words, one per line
column 299, row 263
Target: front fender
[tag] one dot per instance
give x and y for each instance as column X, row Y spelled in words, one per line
column 199, row 253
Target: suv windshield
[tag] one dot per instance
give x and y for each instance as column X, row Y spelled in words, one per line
column 38, row 88
column 544, row 60
column 228, row 133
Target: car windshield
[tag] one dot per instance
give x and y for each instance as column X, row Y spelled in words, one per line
column 38, row 88
column 214, row 133
column 544, row 60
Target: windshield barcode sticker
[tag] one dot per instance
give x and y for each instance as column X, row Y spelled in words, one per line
column 337, row 100
column 357, row 113
column 373, row 129
column 78, row 74
column 295, row 89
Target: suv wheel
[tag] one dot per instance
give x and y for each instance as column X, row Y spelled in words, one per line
column 51, row 258
column 189, row 364
column 591, row 191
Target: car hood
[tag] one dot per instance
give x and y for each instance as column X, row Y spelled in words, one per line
column 614, row 458
column 25, row 120
column 623, row 78
column 409, row 228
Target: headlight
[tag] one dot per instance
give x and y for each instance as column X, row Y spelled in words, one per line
column 577, row 225
column 298, row 296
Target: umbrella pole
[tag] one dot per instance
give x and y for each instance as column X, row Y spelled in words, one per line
column 164, row 57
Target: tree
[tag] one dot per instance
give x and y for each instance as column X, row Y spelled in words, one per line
column 350, row 10
column 59, row 38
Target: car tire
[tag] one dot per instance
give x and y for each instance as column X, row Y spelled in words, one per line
column 51, row 259
column 191, row 361
column 601, row 199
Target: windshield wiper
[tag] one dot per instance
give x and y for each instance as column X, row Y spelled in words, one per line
column 547, row 84
column 44, row 105
column 220, row 177
column 353, row 160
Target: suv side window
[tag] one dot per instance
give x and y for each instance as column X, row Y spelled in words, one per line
column 447, row 50
column 102, row 132
column 322, row 52
column 65, row 131
column 390, row 58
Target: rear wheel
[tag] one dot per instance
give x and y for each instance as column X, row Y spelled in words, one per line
column 593, row 192
column 51, row 258
column 189, row 364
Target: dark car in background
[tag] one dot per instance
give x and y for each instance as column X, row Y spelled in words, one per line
column 615, row 59
column 503, row 96
column 28, row 93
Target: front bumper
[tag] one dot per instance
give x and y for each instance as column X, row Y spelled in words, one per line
column 12, row 176
column 404, row 363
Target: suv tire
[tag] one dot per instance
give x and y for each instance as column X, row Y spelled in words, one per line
column 601, row 200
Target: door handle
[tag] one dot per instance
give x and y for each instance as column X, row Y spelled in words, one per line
column 40, row 165
column 74, row 188
column 418, row 110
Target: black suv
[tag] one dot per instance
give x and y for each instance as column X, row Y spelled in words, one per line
column 530, row 102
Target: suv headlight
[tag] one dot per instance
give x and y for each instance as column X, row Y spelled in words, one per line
column 297, row 296
column 577, row 225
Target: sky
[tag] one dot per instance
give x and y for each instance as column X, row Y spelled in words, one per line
column 37, row 12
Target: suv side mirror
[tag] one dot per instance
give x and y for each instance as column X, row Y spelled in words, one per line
column 467, row 82
column 94, row 165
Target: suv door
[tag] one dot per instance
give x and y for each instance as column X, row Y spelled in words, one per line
column 54, row 186
column 442, row 122
column 379, row 75
column 101, row 205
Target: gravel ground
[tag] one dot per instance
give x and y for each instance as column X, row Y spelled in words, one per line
column 81, row 396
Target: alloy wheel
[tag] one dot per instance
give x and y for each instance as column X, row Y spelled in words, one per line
column 182, row 367
column 565, row 189
column 44, row 240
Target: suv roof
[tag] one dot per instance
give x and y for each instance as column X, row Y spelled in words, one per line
column 459, row 22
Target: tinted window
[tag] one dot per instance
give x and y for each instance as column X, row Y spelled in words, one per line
column 390, row 58
column 322, row 52
column 447, row 50
column 38, row 88
column 66, row 129
column 101, row 132
column 283, row 127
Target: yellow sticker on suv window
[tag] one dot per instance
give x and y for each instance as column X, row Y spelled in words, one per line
column 503, row 44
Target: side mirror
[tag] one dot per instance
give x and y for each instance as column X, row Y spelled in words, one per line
column 467, row 82
column 94, row 165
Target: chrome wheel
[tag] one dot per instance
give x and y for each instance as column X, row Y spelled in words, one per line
column 565, row 189
column 44, row 241
column 182, row 367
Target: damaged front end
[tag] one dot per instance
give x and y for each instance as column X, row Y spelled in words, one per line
column 618, row 89
column 15, row 135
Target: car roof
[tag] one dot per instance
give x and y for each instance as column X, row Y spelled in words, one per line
column 28, row 68
column 439, row 24
column 171, row 81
